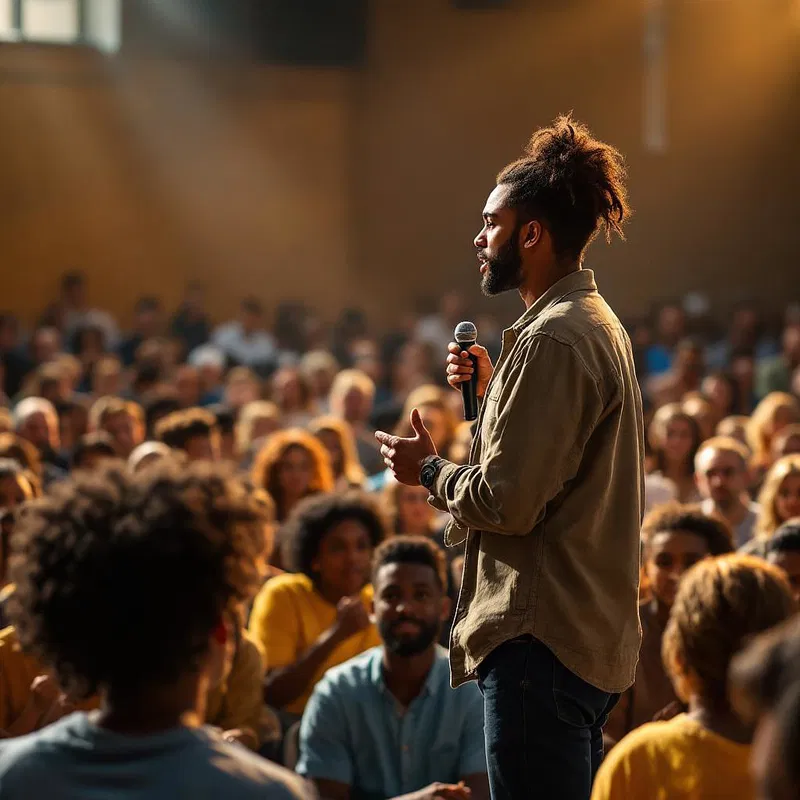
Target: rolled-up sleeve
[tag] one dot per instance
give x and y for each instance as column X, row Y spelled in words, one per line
column 535, row 426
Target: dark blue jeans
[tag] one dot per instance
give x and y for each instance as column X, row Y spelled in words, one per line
column 543, row 724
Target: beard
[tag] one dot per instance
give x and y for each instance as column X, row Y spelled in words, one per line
column 408, row 645
column 503, row 271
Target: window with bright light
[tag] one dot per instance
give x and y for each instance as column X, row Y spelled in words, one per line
column 96, row 23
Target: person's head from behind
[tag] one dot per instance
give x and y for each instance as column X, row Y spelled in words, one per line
column 251, row 315
column 786, row 442
column 36, row 420
column 774, row 413
column 407, row 508
column 721, row 471
column 783, row 550
column 182, row 542
column 352, row 396
column 674, row 437
column 336, row 436
column 721, row 603
column 765, row 691
column 409, row 579
column 92, row 450
column 779, row 498
column 674, row 538
column 193, row 432
column 291, row 465
column 331, row 539
column 548, row 206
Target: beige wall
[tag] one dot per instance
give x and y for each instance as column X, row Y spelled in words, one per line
column 367, row 186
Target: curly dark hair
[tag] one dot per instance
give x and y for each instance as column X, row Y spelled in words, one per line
column 121, row 579
column 98, row 443
column 314, row 517
column 572, row 182
column 672, row 517
column 412, row 550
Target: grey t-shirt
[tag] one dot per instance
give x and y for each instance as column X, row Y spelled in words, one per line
column 74, row 759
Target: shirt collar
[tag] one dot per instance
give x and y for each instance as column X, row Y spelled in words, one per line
column 581, row 280
column 433, row 682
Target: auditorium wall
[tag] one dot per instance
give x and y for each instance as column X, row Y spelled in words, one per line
column 366, row 186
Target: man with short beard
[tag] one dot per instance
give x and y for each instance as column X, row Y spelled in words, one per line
column 386, row 724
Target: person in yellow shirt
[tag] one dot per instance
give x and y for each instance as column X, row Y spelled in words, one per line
column 308, row 622
column 703, row 754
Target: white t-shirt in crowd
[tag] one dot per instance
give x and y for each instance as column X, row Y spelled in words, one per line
column 74, row 759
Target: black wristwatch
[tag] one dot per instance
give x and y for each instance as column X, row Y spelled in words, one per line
column 429, row 470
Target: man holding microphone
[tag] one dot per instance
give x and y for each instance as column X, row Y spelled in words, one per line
column 550, row 503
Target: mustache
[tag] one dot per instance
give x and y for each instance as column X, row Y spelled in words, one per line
column 404, row 620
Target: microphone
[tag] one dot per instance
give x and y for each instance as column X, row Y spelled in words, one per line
column 466, row 334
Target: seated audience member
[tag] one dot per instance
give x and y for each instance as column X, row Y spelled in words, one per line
column 306, row 623
column 702, row 412
column 778, row 500
column 774, row 413
column 190, row 538
column 721, row 391
column 319, row 368
column 783, row 550
column 122, row 420
column 337, row 438
column 242, row 386
column 24, row 453
column 236, row 705
column 292, row 393
column 36, row 421
column 106, row 378
column 353, row 399
column 156, row 406
column 735, row 427
column 720, row 605
column 722, row 478
column 675, row 437
column 386, row 723
column 246, row 341
column 765, row 683
column 674, row 538
column 187, row 385
column 73, row 422
column 255, row 422
column 147, row 454
column 291, row 465
column 192, row 432
column 92, row 450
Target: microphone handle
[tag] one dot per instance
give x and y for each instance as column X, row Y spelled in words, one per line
column 469, row 389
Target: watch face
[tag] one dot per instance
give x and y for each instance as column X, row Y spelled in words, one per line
column 427, row 475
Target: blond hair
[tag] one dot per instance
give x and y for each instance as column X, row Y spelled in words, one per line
column 760, row 429
column 352, row 470
column 250, row 414
column 349, row 378
column 725, row 444
column 721, row 603
column 768, row 522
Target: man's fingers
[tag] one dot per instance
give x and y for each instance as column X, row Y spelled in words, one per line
column 386, row 438
column 387, row 452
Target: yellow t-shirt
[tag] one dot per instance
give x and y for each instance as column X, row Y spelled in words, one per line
column 675, row 760
column 289, row 615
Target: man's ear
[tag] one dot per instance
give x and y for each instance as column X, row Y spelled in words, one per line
column 531, row 233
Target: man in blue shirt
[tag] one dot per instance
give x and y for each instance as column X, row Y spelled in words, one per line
column 386, row 724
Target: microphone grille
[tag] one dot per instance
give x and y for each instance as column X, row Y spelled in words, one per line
column 465, row 332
